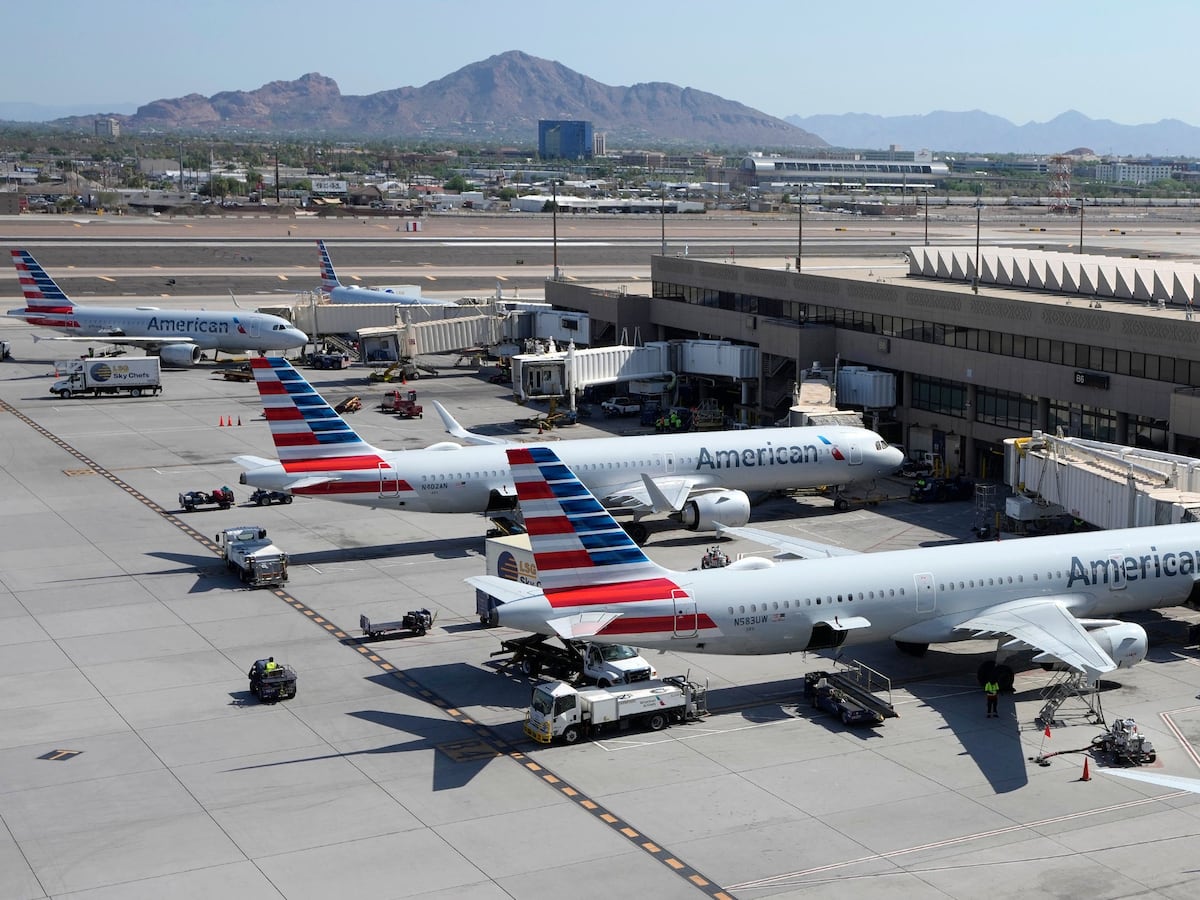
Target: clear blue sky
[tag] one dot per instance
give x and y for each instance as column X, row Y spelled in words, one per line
column 1022, row 60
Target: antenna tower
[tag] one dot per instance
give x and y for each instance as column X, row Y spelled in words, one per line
column 1060, row 184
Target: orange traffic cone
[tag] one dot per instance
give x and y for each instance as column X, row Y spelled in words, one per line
column 221, row 421
column 239, row 420
column 1087, row 776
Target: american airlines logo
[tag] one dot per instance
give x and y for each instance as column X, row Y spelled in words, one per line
column 203, row 326
column 767, row 455
column 1111, row 570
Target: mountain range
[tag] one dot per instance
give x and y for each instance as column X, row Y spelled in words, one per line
column 501, row 99
column 980, row 132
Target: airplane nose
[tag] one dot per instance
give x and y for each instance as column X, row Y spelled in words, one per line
column 893, row 457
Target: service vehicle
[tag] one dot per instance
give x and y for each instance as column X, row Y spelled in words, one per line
column 135, row 375
column 403, row 403
column 621, row 406
column 247, row 549
column 558, row 710
column 221, row 497
column 1126, row 744
column 271, row 681
column 418, row 621
column 923, row 465
column 328, row 360
column 264, row 497
column 506, row 556
column 833, row 700
column 939, row 490
column 576, row 661
column 5, row 350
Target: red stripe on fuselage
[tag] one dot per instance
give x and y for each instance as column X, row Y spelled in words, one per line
column 621, row 592
column 353, row 487
column 334, row 464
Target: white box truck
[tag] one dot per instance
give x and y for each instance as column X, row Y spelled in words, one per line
column 136, row 376
column 247, row 549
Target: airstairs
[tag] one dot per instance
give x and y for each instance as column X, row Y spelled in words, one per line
column 1070, row 690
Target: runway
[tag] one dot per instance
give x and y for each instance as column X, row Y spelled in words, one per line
column 133, row 762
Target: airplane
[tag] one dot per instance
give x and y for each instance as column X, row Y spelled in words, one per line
column 349, row 293
column 1056, row 595
column 177, row 337
column 700, row 478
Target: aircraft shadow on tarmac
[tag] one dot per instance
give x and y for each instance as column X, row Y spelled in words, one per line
column 439, row 548
column 460, row 753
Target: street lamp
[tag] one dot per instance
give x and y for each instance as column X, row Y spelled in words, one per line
column 975, row 274
column 662, row 214
column 554, row 220
column 799, row 228
column 1081, row 203
column 926, row 217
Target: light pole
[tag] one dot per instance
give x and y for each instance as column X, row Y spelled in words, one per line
column 926, row 217
column 554, row 220
column 975, row 274
column 799, row 228
column 662, row 215
column 1081, row 203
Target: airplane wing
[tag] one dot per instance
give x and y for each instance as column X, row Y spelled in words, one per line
column 455, row 429
column 120, row 340
column 1046, row 624
column 787, row 546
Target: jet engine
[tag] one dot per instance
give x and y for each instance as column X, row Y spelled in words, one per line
column 179, row 355
column 1125, row 642
column 705, row 511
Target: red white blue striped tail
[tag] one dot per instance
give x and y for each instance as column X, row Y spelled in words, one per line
column 42, row 295
column 309, row 434
column 575, row 542
column 329, row 279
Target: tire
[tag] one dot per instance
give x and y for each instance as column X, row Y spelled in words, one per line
column 260, row 501
column 845, row 718
column 603, row 683
column 656, row 721
column 287, row 499
column 530, row 667
column 135, row 392
column 638, row 532
column 571, row 735
column 65, row 394
column 841, row 504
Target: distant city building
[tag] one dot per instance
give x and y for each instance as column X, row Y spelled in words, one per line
column 1132, row 173
column 106, row 128
column 564, row 139
column 599, row 144
column 759, row 170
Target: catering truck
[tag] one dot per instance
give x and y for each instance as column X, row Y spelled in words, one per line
column 558, row 710
column 576, row 661
column 135, row 375
column 508, row 556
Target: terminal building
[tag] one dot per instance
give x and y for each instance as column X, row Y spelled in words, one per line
column 978, row 357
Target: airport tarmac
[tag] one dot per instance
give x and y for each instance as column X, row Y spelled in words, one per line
column 134, row 762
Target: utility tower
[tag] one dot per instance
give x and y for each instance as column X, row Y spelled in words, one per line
column 1060, row 184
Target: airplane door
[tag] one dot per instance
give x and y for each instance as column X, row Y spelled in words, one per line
column 685, row 615
column 253, row 329
column 926, row 592
column 663, row 461
column 389, row 481
column 855, row 454
column 1116, row 571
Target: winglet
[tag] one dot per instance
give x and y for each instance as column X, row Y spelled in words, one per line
column 455, row 429
column 659, row 501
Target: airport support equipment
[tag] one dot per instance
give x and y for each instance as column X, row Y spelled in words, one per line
column 135, row 375
column 417, row 621
column 5, row 350
column 264, row 497
column 272, row 684
column 403, row 403
column 247, row 549
column 221, row 497
column 1125, row 744
column 558, row 710
column 826, row 695
column 576, row 661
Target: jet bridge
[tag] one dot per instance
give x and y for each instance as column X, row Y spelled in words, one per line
column 1105, row 485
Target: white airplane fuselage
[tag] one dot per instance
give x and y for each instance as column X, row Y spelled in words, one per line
column 463, row 479
column 207, row 329
column 917, row 596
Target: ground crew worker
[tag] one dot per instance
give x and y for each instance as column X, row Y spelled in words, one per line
column 271, row 665
column 992, row 689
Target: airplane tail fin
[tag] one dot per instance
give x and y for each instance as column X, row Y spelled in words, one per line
column 309, row 434
column 41, row 293
column 329, row 279
column 575, row 542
